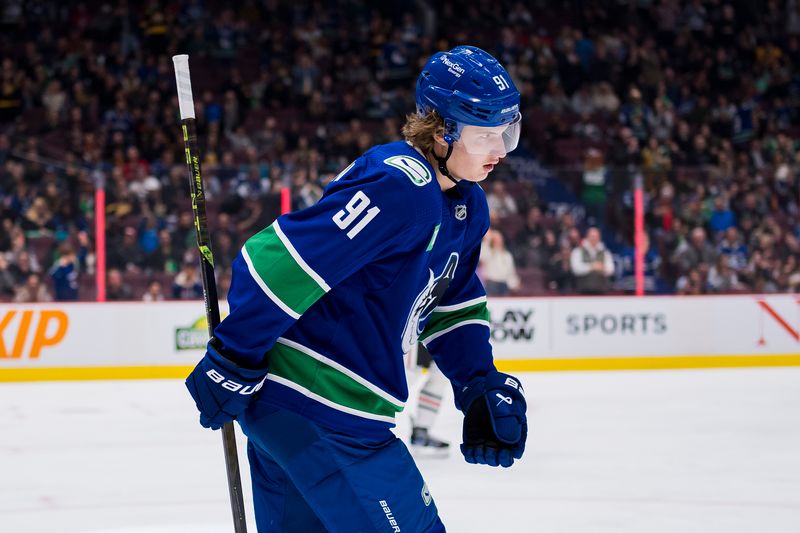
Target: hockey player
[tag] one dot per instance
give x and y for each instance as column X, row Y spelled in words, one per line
column 325, row 301
column 429, row 401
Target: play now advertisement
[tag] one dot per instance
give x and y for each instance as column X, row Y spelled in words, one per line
column 173, row 334
column 533, row 328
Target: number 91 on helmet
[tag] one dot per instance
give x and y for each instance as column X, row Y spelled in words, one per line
column 475, row 97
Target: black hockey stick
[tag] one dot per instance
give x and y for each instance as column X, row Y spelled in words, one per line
column 186, row 104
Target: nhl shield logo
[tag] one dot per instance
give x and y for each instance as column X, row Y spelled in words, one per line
column 461, row 212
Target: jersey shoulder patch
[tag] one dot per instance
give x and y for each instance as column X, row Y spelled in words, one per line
column 417, row 171
column 396, row 178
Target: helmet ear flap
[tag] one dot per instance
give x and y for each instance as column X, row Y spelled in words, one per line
column 450, row 129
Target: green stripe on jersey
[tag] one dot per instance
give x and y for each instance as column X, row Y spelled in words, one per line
column 320, row 376
column 441, row 320
column 274, row 263
column 433, row 238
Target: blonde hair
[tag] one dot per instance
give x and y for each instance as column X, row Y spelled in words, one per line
column 420, row 130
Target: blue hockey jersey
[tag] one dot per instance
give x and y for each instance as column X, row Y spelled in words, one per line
column 331, row 297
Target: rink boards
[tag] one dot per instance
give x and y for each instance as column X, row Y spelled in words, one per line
column 82, row 341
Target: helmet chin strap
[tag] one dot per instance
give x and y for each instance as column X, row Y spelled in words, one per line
column 443, row 163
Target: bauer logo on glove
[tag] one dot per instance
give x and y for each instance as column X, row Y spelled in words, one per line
column 220, row 398
column 232, row 386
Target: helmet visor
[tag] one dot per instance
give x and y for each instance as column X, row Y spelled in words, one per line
column 492, row 140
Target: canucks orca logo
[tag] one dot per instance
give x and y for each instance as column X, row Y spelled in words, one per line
column 427, row 300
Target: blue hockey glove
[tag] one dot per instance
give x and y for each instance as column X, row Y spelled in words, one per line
column 495, row 425
column 221, row 389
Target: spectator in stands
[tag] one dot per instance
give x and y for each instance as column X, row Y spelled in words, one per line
column 586, row 128
column 497, row 268
column 692, row 211
column 5, row 147
column 223, row 283
column 555, row 100
column 64, row 274
column 224, row 251
column 567, row 229
column 721, row 277
column 23, row 266
column 662, row 121
column 124, row 253
column 625, row 157
column 306, row 191
column 547, row 249
column 636, row 114
column 187, row 284
column 734, row 249
column 789, row 275
column 700, row 154
column 558, row 269
column 7, row 228
column 84, row 253
column 54, row 100
column 154, row 292
column 604, row 99
column 592, row 264
column 501, row 203
column 34, row 290
column 595, row 183
column 184, row 234
column 694, row 252
column 761, row 273
column 626, row 269
column 116, row 288
column 148, row 236
column 656, row 162
column 11, row 101
column 692, row 282
column 38, row 218
column 722, row 218
column 573, row 237
column 166, row 257
column 750, row 208
column 582, row 102
column 528, row 248
column 7, row 283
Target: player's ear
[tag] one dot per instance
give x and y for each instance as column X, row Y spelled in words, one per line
column 438, row 138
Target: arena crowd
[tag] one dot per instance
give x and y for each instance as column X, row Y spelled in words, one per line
column 696, row 100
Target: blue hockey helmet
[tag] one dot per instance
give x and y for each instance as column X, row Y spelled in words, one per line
column 468, row 87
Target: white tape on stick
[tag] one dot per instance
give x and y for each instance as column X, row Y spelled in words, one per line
column 184, row 82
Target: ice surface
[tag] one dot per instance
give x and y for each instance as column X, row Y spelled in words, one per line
column 644, row 452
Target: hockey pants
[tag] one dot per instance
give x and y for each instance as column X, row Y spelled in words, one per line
column 307, row 478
